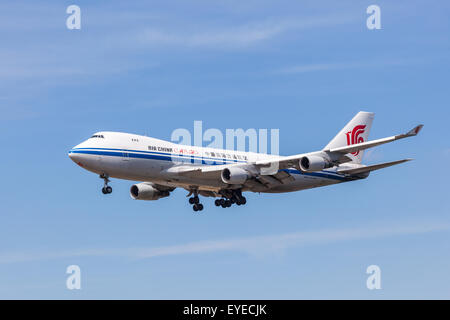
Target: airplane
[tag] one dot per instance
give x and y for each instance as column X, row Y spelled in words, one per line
column 161, row 166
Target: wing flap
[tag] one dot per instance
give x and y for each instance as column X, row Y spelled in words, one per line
column 283, row 176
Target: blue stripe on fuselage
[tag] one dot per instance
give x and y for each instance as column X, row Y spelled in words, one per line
column 166, row 154
column 139, row 154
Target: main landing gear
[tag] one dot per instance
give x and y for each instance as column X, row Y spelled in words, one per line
column 229, row 197
column 236, row 198
column 106, row 189
column 195, row 201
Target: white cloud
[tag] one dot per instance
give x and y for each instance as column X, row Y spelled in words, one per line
column 369, row 63
column 273, row 243
column 232, row 36
column 251, row 245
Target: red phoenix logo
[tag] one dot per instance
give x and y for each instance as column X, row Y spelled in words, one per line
column 353, row 137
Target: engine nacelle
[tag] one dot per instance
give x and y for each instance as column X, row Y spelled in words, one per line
column 234, row 175
column 313, row 163
column 146, row 191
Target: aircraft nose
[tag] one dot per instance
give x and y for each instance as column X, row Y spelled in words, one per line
column 77, row 158
column 73, row 156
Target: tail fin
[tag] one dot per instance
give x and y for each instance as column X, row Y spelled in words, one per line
column 356, row 131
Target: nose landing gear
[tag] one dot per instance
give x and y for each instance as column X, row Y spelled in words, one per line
column 106, row 189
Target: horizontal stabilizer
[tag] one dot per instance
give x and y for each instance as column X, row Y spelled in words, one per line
column 372, row 167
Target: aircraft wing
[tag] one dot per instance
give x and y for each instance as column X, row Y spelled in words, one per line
column 374, row 143
column 335, row 155
column 270, row 172
column 261, row 179
column 205, row 171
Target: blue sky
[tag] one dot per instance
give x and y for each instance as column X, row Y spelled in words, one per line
column 150, row 67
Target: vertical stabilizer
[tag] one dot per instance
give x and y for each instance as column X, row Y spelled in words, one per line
column 356, row 131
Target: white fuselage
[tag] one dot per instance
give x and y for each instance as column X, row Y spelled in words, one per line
column 140, row 158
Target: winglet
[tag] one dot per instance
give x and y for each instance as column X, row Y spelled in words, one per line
column 415, row 131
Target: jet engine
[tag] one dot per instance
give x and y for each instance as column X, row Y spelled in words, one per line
column 234, row 175
column 313, row 163
column 146, row 191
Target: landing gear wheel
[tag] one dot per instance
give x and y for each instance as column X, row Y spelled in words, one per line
column 217, row 202
column 197, row 207
column 106, row 189
column 195, row 200
column 227, row 203
column 243, row 200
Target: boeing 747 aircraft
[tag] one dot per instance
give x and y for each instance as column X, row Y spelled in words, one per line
column 162, row 166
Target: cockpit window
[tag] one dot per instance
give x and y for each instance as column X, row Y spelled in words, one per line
column 98, row 136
